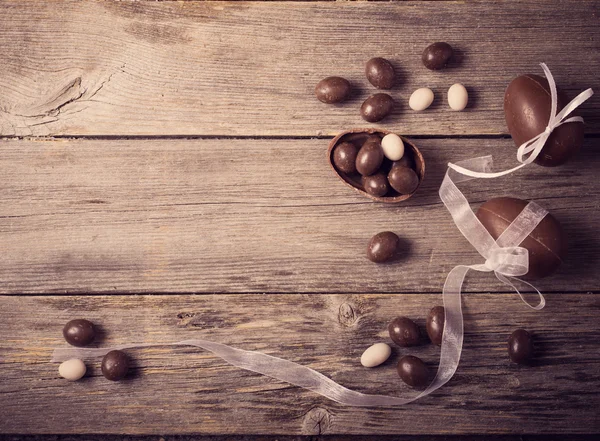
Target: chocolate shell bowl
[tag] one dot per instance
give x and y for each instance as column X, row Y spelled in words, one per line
column 412, row 159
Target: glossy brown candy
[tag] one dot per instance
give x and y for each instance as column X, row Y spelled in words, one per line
column 520, row 346
column 332, row 90
column 435, row 324
column 115, row 365
column 437, row 55
column 547, row 243
column 527, row 104
column 369, row 158
column 360, row 137
column 377, row 107
column 380, row 73
column 344, row 157
column 377, row 184
column 403, row 179
column 413, row 371
column 79, row 332
column 383, row 247
column 404, row 332
column 405, row 161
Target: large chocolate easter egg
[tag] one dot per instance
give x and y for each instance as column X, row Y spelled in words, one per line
column 547, row 243
column 527, row 104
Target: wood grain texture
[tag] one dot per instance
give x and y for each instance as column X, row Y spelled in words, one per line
column 137, row 216
column 243, row 68
column 186, row 390
column 112, row 437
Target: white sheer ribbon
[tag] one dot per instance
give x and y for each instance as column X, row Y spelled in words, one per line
column 504, row 257
column 534, row 146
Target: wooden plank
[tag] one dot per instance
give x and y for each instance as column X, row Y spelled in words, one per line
column 243, row 68
column 112, row 437
column 189, row 391
column 254, row 216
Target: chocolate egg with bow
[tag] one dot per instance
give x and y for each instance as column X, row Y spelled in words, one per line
column 547, row 243
column 527, row 106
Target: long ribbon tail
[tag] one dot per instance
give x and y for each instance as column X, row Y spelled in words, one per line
column 307, row 378
column 506, row 281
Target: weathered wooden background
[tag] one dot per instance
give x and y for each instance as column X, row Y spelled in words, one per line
column 163, row 174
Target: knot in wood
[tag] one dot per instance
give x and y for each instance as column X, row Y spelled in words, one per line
column 317, row 421
column 346, row 315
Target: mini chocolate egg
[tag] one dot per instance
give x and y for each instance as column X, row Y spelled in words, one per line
column 436, row 55
column 393, row 147
column 458, row 97
column 413, row 371
column 344, row 157
column 375, row 355
column 72, row 369
column 377, row 184
column 383, row 247
column 403, row 179
column 332, row 90
column 435, row 324
column 79, row 332
column 405, row 161
column 377, row 107
column 404, row 332
column 369, row 158
column 115, row 365
column 421, row 99
column 547, row 243
column 527, row 103
column 520, row 346
column 380, row 73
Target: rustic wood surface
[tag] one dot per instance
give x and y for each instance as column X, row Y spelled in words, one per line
column 186, row 390
column 201, row 216
column 176, row 148
column 238, row 68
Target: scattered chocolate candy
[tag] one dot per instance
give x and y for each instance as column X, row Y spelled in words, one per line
column 547, row 243
column 79, row 332
column 458, row 97
column 375, row 355
column 413, row 371
column 376, row 184
column 393, row 147
column 421, row 99
column 527, row 104
column 383, row 247
column 115, row 365
column 72, row 369
column 369, row 157
column 380, row 73
column 437, row 55
column 520, row 346
column 344, row 157
column 435, row 324
column 332, row 90
column 404, row 332
column 403, row 179
column 377, row 107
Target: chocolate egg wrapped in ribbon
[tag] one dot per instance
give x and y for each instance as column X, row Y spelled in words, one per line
column 546, row 244
column 528, row 110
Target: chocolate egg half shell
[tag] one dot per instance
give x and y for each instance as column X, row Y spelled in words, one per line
column 527, row 105
column 412, row 158
column 547, row 243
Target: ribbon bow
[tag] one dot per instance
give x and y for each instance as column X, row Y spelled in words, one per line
column 504, row 256
column 534, row 146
